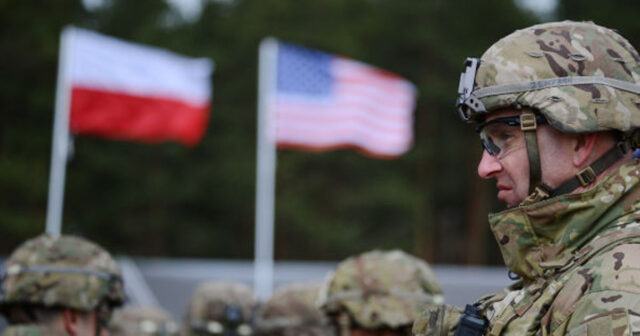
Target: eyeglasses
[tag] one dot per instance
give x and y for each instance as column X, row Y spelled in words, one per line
column 499, row 136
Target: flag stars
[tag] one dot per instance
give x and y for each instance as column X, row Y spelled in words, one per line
column 304, row 71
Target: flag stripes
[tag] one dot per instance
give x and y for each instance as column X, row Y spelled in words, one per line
column 323, row 102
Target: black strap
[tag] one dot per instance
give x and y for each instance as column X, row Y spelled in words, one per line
column 589, row 174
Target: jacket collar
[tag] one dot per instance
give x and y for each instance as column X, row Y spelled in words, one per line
column 531, row 237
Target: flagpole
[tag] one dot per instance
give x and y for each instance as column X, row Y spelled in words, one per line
column 265, row 173
column 60, row 138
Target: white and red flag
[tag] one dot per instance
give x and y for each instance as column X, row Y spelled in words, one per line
column 129, row 91
column 121, row 90
column 323, row 101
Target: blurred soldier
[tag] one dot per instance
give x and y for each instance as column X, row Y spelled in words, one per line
column 220, row 308
column 59, row 286
column 293, row 311
column 557, row 108
column 379, row 293
column 142, row 321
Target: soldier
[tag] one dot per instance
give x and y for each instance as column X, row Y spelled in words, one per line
column 557, row 108
column 220, row 308
column 59, row 286
column 142, row 321
column 378, row 293
column 293, row 311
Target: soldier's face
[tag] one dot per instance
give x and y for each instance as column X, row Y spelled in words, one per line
column 511, row 169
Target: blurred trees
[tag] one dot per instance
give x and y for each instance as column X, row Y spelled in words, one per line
column 166, row 200
column 619, row 15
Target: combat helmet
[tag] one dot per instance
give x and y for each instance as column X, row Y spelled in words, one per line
column 61, row 272
column 142, row 320
column 577, row 76
column 293, row 311
column 379, row 289
column 220, row 308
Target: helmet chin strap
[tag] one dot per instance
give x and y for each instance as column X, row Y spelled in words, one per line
column 344, row 324
column 538, row 190
column 528, row 125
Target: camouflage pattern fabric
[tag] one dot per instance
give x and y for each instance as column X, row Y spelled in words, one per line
column 63, row 271
column 381, row 289
column 579, row 258
column 535, row 236
column 437, row 321
column 216, row 307
column 560, row 51
column 291, row 311
column 32, row 330
column 137, row 320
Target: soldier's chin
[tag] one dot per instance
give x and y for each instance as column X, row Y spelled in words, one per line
column 508, row 197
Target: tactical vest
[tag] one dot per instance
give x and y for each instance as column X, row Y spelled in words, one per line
column 546, row 305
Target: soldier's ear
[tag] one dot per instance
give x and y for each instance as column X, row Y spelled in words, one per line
column 70, row 321
column 583, row 149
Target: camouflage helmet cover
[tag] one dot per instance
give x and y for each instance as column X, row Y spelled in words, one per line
column 64, row 271
column 582, row 77
column 381, row 289
column 216, row 305
column 292, row 310
column 139, row 320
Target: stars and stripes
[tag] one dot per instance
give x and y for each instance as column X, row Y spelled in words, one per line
column 323, row 102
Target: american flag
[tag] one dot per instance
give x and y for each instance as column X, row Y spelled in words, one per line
column 323, row 101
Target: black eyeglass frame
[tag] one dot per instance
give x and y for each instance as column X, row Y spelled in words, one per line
column 489, row 145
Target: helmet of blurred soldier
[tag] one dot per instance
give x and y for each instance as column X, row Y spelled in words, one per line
column 142, row 320
column 380, row 289
column 291, row 311
column 217, row 308
column 61, row 272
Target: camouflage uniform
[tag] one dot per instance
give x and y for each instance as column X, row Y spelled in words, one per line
column 292, row 311
column 134, row 321
column 577, row 253
column 378, row 290
column 220, row 308
column 59, row 272
column 32, row 330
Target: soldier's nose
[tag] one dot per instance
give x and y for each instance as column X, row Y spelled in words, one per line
column 488, row 166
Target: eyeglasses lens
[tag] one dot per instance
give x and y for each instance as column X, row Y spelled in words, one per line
column 498, row 139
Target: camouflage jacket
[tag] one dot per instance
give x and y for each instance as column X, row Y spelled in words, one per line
column 579, row 259
column 31, row 330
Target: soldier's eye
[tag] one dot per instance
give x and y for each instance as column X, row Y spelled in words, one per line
column 503, row 136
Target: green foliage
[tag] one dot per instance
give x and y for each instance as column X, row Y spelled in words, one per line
column 167, row 200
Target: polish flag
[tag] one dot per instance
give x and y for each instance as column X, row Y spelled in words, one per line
column 128, row 91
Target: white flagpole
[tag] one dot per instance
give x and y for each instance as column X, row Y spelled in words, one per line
column 60, row 141
column 265, row 172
